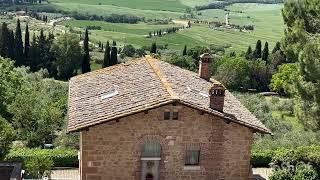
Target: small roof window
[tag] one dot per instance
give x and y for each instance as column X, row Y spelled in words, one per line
column 110, row 93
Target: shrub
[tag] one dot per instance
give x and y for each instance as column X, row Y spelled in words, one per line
column 282, row 174
column 261, row 158
column 60, row 157
column 305, row 173
column 38, row 166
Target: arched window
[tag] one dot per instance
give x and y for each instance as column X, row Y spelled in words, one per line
column 151, row 150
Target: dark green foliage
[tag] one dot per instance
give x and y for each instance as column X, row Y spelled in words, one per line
column 128, row 50
column 18, row 45
column 257, row 52
column 276, row 48
column 153, row 48
column 184, row 52
column 39, row 166
column 249, row 53
column 85, row 65
column 27, row 46
column 11, row 45
column 7, row 136
column 107, row 58
column 114, row 54
column 4, row 40
column 261, row 158
column 185, row 62
column 265, row 52
column 60, row 157
column 282, row 174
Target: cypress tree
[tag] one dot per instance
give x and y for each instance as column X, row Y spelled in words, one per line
column 18, row 45
column 265, row 53
column 249, row 53
column 184, row 53
column 114, row 54
column 41, row 60
column 4, row 40
column 86, row 56
column 11, row 47
column 257, row 52
column 27, row 46
column 153, row 48
column 276, row 48
column 34, row 54
column 107, row 58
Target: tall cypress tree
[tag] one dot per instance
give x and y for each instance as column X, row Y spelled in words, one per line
column 86, row 56
column 249, row 53
column 153, row 48
column 18, row 45
column 4, row 40
column 27, row 46
column 257, row 52
column 114, row 54
column 34, row 54
column 41, row 60
column 107, row 58
column 11, row 45
column 265, row 52
column 184, row 53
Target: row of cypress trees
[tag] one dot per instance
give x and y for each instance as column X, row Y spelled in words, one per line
column 110, row 55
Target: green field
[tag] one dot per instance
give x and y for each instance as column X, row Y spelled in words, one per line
column 266, row 19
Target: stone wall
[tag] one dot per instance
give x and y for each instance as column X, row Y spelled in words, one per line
column 112, row 150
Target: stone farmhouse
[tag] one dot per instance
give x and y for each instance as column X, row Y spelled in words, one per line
column 150, row 120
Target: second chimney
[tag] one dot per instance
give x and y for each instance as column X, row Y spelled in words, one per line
column 217, row 95
column 204, row 66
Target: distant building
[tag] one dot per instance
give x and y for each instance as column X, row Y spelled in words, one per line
column 150, row 120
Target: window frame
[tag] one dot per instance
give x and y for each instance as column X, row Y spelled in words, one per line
column 186, row 163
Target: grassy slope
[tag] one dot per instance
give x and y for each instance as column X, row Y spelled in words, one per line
column 266, row 18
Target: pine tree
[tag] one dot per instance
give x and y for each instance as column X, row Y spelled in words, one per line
column 4, row 40
column 265, row 52
column 249, row 53
column 18, row 46
column 153, row 48
column 276, row 48
column 184, row 53
column 86, row 56
column 27, row 46
column 107, row 59
column 257, row 52
column 114, row 54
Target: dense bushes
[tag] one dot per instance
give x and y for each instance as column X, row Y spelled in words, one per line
column 60, row 157
column 294, row 156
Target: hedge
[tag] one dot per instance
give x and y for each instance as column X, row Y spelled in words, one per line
column 60, row 157
column 307, row 154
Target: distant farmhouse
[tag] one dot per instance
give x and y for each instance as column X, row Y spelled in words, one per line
column 150, row 120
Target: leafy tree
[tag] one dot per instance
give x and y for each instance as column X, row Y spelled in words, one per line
column 265, row 52
column 234, row 73
column 39, row 109
column 27, row 46
column 283, row 80
column 114, row 54
column 38, row 166
column 140, row 52
column 18, row 45
column 153, row 48
column 10, row 83
column 129, row 50
column 185, row 62
column 259, row 75
column 68, row 53
column 184, row 52
column 302, row 44
column 257, row 51
column 86, row 56
column 6, row 137
column 107, row 58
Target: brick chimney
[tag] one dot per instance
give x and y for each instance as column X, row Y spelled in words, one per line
column 204, row 66
column 216, row 95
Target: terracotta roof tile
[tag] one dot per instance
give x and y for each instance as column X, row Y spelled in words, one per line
column 124, row 89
